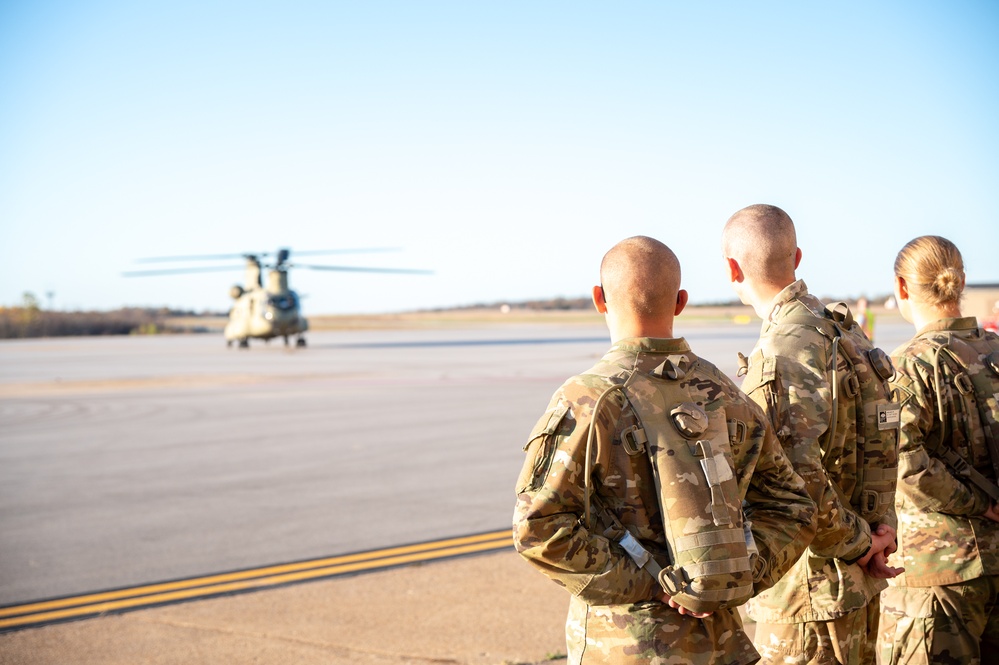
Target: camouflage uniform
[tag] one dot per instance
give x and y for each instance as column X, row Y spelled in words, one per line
column 945, row 606
column 615, row 614
column 819, row 612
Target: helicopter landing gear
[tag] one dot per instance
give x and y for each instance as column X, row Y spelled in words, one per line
column 286, row 340
column 244, row 343
column 300, row 342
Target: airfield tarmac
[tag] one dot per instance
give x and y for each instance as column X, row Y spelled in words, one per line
column 131, row 461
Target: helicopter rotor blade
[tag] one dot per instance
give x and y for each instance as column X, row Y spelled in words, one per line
column 406, row 271
column 180, row 271
column 355, row 250
column 199, row 257
column 246, row 255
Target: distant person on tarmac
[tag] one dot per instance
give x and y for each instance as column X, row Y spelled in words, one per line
column 825, row 389
column 945, row 608
column 642, row 479
column 865, row 318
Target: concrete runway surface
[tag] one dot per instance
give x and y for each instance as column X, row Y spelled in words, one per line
column 127, row 461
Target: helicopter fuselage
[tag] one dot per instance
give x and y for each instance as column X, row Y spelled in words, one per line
column 265, row 312
column 260, row 315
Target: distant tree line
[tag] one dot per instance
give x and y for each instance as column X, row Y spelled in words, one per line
column 584, row 303
column 557, row 304
column 550, row 304
column 29, row 320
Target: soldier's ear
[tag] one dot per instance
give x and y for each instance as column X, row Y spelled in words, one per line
column 901, row 288
column 681, row 301
column 797, row 257
column 734, row 270
column 598, row 299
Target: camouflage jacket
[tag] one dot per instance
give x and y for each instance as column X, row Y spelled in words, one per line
column 789, row 377
column 943, row 539
column 615, row 614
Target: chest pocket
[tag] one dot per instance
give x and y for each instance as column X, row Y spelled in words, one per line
column 542, row 445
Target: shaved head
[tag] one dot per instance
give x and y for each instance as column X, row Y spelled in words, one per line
column 642, row 275
column 762, row 239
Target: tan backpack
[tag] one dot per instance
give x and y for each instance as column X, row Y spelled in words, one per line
column 861, row 393
column 966, row 386
column 711, row 548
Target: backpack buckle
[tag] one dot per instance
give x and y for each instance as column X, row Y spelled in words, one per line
column 673, row 580
column 960, row 466
column 633, row 440
column 736, row 432
column 851, row 385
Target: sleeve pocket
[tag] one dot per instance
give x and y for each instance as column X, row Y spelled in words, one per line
column 541, row 445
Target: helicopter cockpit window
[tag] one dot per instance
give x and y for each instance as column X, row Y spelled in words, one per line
column 284, row 302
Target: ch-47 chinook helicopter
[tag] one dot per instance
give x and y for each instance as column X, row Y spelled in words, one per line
column 264, row 311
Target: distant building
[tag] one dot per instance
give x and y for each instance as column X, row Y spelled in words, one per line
column 982, row 301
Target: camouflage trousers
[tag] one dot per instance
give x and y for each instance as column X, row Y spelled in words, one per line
column 956, row 623
column 653, row 633
column 846, row 640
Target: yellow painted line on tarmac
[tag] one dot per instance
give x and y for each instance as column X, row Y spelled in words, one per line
column 190, row 589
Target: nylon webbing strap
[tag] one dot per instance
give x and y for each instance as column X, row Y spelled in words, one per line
column 962, row 468
column 888, row 473
column 834, row 409
column 717, row 567
column 719, row 509
column 641, row 556
column 720, row 537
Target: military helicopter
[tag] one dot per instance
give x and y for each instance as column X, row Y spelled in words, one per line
column 265, row 311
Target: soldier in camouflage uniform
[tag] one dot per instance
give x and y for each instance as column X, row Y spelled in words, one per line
column 945, row 608
column 825, row 610
column 618, row 611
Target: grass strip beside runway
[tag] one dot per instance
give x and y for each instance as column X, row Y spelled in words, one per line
column 77, row 607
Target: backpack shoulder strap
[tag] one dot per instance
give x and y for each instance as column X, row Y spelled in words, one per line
column 961, row 391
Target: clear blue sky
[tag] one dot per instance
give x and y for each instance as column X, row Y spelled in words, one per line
column 505, row 145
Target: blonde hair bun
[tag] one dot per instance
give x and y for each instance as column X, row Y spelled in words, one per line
column 933, row 268
column 947, row 284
